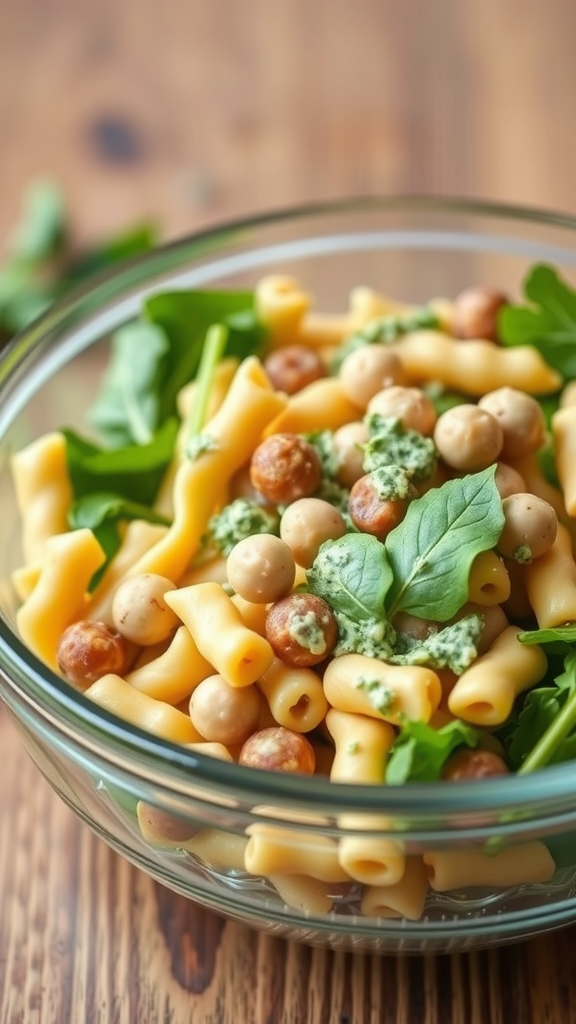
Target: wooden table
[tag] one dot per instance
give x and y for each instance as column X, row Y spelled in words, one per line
column 193, row 112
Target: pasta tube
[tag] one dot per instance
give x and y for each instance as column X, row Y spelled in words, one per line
column 488, row 582
column 406, row 898
column 362, row 746
column 43, row 492
column 371, row 687
column 513, row 865
column 175, row 674
column 273, row 850
column 239, row 654
column 139, row 537
column 564, row 434
column 321, row 405
column 294, row 695
column 153, row 716
column 550, row 583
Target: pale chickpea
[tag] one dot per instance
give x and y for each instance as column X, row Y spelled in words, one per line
column 347, row 444
column 476, row 313
column 164, row 823
column 306, row 524
column 468, row 438
column 508, row 480
column 521, row 419
column 139, row 611
column 530, row 526
column 367, row 370
column 285, row 467
column 292, row 367
column 261, row 568
column 89, row 650
column 222, row 713
column 410, row 405
column 279, row 750
column 467, row 765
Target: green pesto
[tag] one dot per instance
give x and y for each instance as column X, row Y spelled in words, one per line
column 391, row 483
column 380, row 696
column 371, row 637
column 304, row 629
column 200, row 444
column 452, row 647
column 237, row 521
column 523, row 554
column 393, row 444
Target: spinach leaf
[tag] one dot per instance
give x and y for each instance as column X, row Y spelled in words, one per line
column 565, row 634
column 134, row 472
column 127, row 408
column 420, row 752
column 42, row 230
column 97, row 508
column 133, row 242
column 545, row 722
column 352, row 574
column 549, row 324
column 431, row 551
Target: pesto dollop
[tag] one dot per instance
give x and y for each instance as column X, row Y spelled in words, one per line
column 392, row 444
column 237, row 521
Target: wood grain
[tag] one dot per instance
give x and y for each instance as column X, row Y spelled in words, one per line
column 192, row 112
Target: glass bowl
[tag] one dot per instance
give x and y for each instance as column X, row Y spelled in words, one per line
column 412, row 249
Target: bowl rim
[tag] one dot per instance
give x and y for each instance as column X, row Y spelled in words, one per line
column 172, row 766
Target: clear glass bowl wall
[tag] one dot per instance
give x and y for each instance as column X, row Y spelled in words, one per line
column 413, row 250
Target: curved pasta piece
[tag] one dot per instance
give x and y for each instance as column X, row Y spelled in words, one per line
column 372, row 860
column 222, row 850
column 294, row 695
column 475, row 367
column 404, row 899
column 43, row 492
column 485, row 692
column 321, row 405
column 273, row 850
column 488, row 582
column 114, row 694
column 59, row 597
column 308, row 895
column 513, row 865
column 235, row 430
column 280, row 304
column 362, row 746
column 138, row 538
column 175, row 674
column 239, row 654
column 371, row 687
column 550, row 583
column 253, row 615
column 564, row 434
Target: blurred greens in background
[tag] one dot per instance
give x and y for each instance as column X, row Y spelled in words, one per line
column 42, row 265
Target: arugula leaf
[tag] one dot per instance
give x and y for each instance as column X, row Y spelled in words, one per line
column 431, row 551
column 549, row 324
column 420, row 752
column 546, row 722
column 566, row 634
column 42, row 230
column 352, row 574
column 127, row 408
column 103, row 513
column 133, row 242
column 133, row 472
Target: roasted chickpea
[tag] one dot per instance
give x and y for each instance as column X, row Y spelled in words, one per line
column 414, row 626
column 285, row 467
column 89, row 650
column 301, row 630
column 508, row 480
column 306, row 524
column 467, row 765
column 410, row 405
column 222, row 713
column 468, row 438
column 261, row 568
column 370, row 508
column 530, row 526
column 366, row 370
column 279, row 750
column 153, row 820
column 347, row 442
column 139, row 611
column 521, row 419
column 292, row 367
column 476, row 313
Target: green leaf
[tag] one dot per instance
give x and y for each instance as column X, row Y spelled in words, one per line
column 431, row 551
column 43, row 226
column 420, row 752
column 566, row 634
column 133, row 242
column 134, row 472
column 127, row 408
column 549, row 324
column 546, row 722
column 352, row 574
column 94, row 509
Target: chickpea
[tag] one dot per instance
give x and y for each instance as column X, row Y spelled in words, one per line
column 373, row 513
column 292, row 367
column 285, row 467
column 279, row 750
column 414, row 626
column 169, row 826
column 467, row 765
column 530, row 526
column 410, row 405
column 476, row 313
column 346, row 442
column 494, row 622
column 261, row 568
column 306, row 524
column 468, row 438
column 89, row 650
column 521, row 419
column 222, row 713
column 508, row 480
column 365, row 371
column 242, row 487
column 301, row 630
column 139, row 611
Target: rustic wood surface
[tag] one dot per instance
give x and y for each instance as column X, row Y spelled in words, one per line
column 194, row 111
